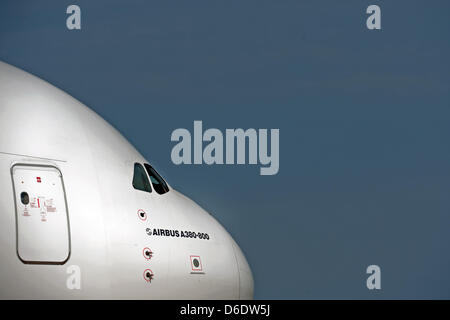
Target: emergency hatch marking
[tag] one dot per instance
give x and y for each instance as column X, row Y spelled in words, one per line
column 33, row 203
column 43, row 211
column 49, row 205
column 176, row 233
column 196, row 263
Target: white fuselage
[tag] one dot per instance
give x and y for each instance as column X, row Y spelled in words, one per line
column 90, row 225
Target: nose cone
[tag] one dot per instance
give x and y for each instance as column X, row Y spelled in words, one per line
column 246, row 284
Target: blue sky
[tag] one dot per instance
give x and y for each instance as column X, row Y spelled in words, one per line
column 363, row 118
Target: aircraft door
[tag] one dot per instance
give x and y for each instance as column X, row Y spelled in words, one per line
column 42, row 222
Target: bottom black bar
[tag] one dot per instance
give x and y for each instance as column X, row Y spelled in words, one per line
column 256, row 309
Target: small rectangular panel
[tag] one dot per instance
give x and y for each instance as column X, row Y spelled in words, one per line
column 42, row 217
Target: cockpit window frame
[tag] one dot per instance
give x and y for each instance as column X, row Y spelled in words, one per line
column 151, row 172
column 146, row 180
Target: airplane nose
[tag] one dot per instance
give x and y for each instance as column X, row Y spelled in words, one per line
column 246, row 284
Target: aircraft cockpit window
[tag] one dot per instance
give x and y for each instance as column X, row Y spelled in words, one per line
column 158, row 182
column 140, row 180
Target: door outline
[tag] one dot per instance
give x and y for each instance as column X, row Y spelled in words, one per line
column 16, row 213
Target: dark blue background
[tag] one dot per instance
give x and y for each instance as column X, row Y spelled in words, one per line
column 363, row 116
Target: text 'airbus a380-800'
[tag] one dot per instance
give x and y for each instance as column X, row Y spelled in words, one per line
column 84, row 216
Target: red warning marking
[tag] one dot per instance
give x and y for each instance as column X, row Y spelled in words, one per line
column 196, row 263
column 148, row 275
column 142, row 215
column 38, row 179
column 148, row 254
column 49, row 205
column 39, row 205
column 25, row 212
